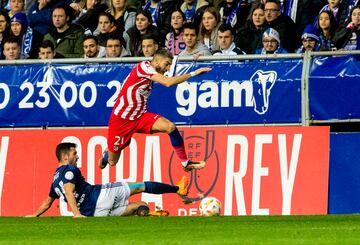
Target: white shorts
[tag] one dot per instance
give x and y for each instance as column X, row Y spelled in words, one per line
column 113, row 199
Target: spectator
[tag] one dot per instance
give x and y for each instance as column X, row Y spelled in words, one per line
column 283, row 24
column 67, row 38
column 174, row 39
column 40, row 18
column 115, row 47
column 92, row 49
column 11, row 48
column 193, row 10
column 4, row 30
column 225, row 38
column 124, row 14
column 306, row 13
column 193, row 46
column 87, row 13
column 16, row 6
column 327, row 26
column 234, row 12
column 143, row 25
column 209, row 27
column 338, row 9
column 149, row 45
column 136, row 3
column 46, row 50
column 271, row 43
column 348, row 35
column 310, row 39
column 106, row 27
column 249, row 37
column 20, row 29
column 161, row 15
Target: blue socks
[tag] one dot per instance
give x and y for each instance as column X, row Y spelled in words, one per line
column 106, row 156
column 175, row 138
column 159, row 188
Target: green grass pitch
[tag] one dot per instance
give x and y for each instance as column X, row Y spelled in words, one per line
column 328, row 229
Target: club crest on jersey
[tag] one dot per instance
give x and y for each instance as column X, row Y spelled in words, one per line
column 116, row 148
column 69, row 175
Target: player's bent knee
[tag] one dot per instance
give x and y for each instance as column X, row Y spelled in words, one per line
column 171, row 127
column 143, row 209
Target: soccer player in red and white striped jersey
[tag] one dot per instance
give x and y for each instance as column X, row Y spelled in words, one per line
column 130, row 114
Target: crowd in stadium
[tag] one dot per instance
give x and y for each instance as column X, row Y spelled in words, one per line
column 49, row 29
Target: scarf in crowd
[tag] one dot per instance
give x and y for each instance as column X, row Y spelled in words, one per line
column 232, row 17
column 290, row 8
column 27, row 43
column 175, row 44
column 353, row 43
column 154, row 11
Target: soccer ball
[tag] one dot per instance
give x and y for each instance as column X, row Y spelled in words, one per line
column 210, row 206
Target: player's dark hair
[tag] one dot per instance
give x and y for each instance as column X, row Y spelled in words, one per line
column 164, row 53
column 63, row 148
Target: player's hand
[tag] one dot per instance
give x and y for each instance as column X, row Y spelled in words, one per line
column 30, row 216
column 79, row 216
column 202, row 70
column 197, row 56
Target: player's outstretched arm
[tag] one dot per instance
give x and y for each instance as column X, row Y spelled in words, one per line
column 46, row 204
column 170, row 81
column 70, row 197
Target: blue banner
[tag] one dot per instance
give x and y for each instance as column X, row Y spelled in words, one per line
column 261, row 92
column 334, row 86
column 344, row 182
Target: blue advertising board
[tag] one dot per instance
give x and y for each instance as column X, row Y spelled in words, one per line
column 344, row 182
column 334, row 86
column 251, row 92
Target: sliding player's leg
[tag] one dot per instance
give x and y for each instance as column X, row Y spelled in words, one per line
column 137, row 208
column 153, row 187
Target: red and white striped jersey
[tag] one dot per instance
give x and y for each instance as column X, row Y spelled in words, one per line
column 136, row 89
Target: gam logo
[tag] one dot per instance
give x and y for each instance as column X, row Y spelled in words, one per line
column 252, row 92
column 262, row 82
